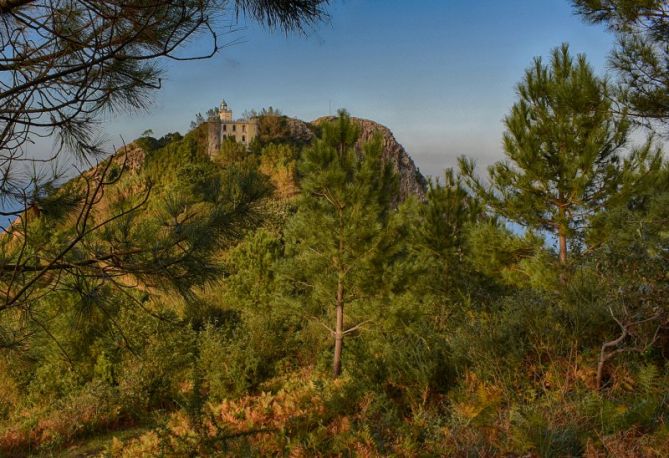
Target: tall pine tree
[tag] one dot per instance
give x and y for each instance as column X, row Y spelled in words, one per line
column 562, row 143
column 339, row 229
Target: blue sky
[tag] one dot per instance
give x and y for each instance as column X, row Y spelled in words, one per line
column 441, row 74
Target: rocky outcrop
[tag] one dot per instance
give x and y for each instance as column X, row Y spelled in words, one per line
column 128, row 159
column 132, row 157
column 411, row 180
column 299, row 131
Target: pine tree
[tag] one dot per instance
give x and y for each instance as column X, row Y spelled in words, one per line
column 641, row 56
column 437, row 235
column 339, row 229
column 562, row 141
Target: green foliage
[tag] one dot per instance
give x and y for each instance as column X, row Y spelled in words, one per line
column 532, row 432
column 510, row 259
column 149, row 143
column 641, row 57
column 563, row 142
column 437, row 233
column 448, row 210
column 462, row 336
column 341, row 223
column 232, row 152
column 630, row 265
column 273, row 128
column 269, row 111
column 279, row 162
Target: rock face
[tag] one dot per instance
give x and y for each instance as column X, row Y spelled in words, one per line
column 299, row 130
column 411, row 180
column 132, row 156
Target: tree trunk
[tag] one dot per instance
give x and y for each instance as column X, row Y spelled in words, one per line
column 562, row 229
column 603, row 358
column 339, row 329
column 563, row 245
column 600, row 369
column 605, row 355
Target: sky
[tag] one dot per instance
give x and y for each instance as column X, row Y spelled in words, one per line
column 441, row 74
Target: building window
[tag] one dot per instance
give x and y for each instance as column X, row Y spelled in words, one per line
column 234, row 127
column 244, row 128
column 243, row 138
column 224, row 127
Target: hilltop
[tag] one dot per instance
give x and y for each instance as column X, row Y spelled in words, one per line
column 298, row 133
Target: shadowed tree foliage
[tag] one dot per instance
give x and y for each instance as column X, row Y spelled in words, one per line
column 439, row 232
column 630, row 259
column 103, row 251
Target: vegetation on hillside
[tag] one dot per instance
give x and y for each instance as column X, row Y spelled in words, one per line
column 280, row 300
column 447, row 333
